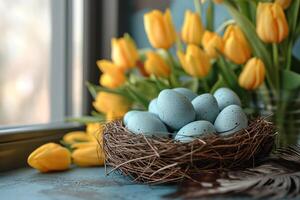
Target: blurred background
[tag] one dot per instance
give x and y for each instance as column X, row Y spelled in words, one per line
column 49, row 48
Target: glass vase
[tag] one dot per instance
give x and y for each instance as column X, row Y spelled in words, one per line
column 284, row 110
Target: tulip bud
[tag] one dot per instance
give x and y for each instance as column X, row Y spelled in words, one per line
column 124, row 52
column 271, row 23
column 236, row 46
column 112, row 76
column 108, row 102
column 50, row 157
column 253, row 74
column 211, row 43
column 192, row 29
column 88, row 154
column 284, row 3
column 195, row 62
column 76, row 136
column 156, row 65
column 160, row 29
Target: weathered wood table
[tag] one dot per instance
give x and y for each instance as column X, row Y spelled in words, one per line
column 75, row 184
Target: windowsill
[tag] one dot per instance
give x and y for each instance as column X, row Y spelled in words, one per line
column 74, row 184
column 17, row 143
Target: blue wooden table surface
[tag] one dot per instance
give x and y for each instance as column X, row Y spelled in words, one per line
column 76, row 184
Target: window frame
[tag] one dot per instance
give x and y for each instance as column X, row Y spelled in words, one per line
column 16, row 143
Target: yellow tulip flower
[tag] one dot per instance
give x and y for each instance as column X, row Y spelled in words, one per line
column 112, row 76
column 253, row 74
column 124, row 52
column 192, row 29
column 88, row 154
column 271, row 23
column 160, row 29
column 94, row 130
column 284, row 3
column 195, row 62
column 156, row 65
column 236, row 46
column 50, row 157
column 108, row 102
column 211, row 43
column 76, row 136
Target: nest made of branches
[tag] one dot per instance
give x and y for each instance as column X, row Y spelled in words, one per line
column 156, row 160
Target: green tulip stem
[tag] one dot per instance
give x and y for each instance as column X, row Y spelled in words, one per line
column 276, row 64
column 179, row 45
column 197, row 5
column 172, row 79
column 205, row 84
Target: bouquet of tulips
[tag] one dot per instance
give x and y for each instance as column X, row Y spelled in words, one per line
column 250, row 52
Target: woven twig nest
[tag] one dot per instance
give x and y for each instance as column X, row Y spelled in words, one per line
column 164, row 160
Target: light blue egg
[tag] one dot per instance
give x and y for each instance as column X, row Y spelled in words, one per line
column 146, row 123
column 174, row 109
column 186, row 92
column 128, row 115
column 152, row 108
column 194, row 130
column 131, row 113
column 230, row 120
column 226, row 97
column 206, row 107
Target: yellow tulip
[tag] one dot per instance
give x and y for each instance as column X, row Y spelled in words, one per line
column 112, row 76
column 88, row 154
column 253, row 74
column 94, row 130
column 284, row 3
column 156, row 65
column 124, row 52
column 211, row 43
column 236, row 46
column 76, row 136
column 271, row 23
column 107, row 102
column 50, row 157
column 192, row 29
column 160, row 29
column 195, row 62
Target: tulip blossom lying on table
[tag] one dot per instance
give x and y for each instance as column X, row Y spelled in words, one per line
column 83, row 149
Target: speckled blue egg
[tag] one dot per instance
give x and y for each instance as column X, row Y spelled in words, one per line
column 186, row 92
column 152, row 108
column 131, row 113
column 128, row 115
column 206, row 107
column 174, row 109
column 146, row 123
column 194, row 130
column 230, row 120
column 226, row 97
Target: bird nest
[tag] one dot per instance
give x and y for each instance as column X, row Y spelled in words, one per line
column 156, row 160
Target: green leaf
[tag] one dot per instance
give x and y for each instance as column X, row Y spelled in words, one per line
column 86, row 119
column 92, row 89
column 291, row 80
column 292, row 17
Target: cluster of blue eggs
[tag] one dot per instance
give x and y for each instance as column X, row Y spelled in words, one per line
column 190, row 116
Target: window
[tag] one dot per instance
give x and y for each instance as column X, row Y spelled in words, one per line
column 40, row 61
